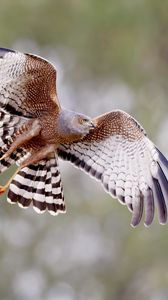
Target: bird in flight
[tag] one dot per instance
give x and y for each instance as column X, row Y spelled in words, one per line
column 35, row 131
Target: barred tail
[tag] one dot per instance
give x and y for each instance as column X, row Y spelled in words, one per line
column 40, row 185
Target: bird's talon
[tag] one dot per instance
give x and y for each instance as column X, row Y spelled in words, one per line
column 2, row 157
column 2, row 190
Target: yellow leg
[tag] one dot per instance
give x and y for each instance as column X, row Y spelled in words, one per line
column 3, row 157
column 33, row 159
column 29, row 130
column 3, row 188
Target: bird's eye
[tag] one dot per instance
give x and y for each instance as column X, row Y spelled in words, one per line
column 83, row 121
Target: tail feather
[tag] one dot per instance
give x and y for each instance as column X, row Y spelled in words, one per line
column 21, row 188
column 40, row 185
column 38, row 194
column 57, row 190
column 48, row 192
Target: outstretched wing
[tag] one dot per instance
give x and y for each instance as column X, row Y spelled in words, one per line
column 119, row 154
column 40, row 185
column 27, row 84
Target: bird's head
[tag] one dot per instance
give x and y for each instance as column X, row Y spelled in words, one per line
column 82, row 123
column 75, row 124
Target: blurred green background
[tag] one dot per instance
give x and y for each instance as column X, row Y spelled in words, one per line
column 109, row 54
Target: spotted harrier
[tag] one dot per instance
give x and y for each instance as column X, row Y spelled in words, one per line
column 35, row 131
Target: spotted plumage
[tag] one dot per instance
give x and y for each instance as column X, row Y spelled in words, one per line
column 34, row 131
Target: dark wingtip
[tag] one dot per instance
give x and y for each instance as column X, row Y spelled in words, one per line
column 160, row 202
column 160, row 186
column 3, row 51
column 137, row 211
column 149, row 208
column 162, row 158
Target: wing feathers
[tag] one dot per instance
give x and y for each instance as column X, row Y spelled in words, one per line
column 148, row 206
column 8, row 127
column 130, row 167
column 27, row 84
column 163, row 182
column 137, row 210
column 159, row 201
column 4, row 51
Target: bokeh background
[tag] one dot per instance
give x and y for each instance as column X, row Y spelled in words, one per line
column 108, row 54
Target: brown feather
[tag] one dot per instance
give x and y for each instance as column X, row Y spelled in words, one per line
column 115, row 123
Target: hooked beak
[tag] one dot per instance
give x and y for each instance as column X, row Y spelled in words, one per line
column 92, row 124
